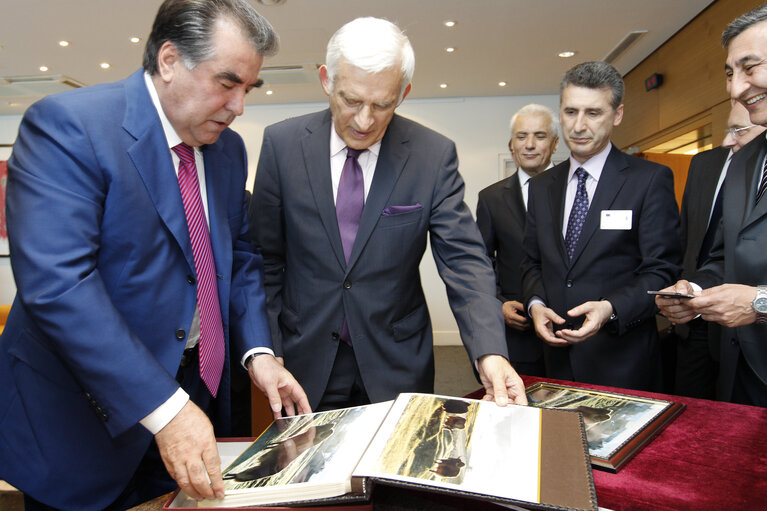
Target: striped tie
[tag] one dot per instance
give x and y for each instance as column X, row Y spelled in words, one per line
column 762, row 183
column 211, row 329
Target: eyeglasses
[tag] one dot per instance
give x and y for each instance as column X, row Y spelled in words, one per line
column 738, row 132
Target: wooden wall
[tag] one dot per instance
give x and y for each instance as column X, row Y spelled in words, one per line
column 693, row 93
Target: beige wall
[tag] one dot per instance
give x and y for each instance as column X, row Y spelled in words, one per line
column 693, row 93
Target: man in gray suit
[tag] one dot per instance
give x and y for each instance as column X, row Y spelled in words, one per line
column 501, row 210
column 734, row 279
column 343, row 202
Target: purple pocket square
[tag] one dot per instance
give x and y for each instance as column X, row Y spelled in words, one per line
column 399, row 210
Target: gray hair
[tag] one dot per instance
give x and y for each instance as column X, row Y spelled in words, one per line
column 372, row 45
column 533, row 109
column 189, row 25
column 595, row 75
column 743, row 22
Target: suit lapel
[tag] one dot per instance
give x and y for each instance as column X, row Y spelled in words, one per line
column 153, row 162
column 610, row 183
column 701, row 203
column 391, row 160
column 315, row 145
column 556, row 189
column 752, row 175
column 512, row 196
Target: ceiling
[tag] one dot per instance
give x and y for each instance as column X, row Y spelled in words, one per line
column 515, row 41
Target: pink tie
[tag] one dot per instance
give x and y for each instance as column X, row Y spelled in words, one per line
column 211, row 329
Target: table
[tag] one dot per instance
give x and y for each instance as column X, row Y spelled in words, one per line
column 713, row 456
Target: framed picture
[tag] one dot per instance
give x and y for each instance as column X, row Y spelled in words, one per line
column 617, row 425
column 5, row 152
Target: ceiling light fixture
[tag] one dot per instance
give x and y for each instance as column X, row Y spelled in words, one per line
column 501, row 84
column 63, row 44
column 43, row 68
column 269, row 92
column 105, row 65
column 566, row 54
column 450, row 49
column 450, row 23
column 443, row 86
column 135, row 40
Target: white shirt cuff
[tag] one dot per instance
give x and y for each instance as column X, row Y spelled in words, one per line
column 534, row 301
column 165, row 413
column 252, row 351
column 695, row 287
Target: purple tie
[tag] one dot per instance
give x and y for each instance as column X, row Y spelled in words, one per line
column 349, row 203
column 350, row 200
column 578, row 213
column 211, row 329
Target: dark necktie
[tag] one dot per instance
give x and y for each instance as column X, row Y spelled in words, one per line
column 211, row 329
column 350, row 200
column 577, row 213
column 762, row 183
column 349, row 203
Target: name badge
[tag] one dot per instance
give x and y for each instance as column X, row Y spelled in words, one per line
column 616, row 220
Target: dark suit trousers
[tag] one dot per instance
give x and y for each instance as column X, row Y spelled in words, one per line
column 696, row 370
column 345, row 387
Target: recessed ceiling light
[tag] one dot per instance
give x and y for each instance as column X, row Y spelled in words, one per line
column 443, row 86
column 450, row 23
column 105, row 65
column 501, row 84
column 269, row 92
column 43, row 68
column 566, row 54
column 63, row 44
column 11, row 103
column 135, row 40
column 450, row 49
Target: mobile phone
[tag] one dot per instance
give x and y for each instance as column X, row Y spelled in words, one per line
column 670, row 294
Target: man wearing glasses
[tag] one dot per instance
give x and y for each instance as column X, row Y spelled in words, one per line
column 734, row 279
column 697, row 348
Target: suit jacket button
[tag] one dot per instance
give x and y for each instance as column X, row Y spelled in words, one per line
column 180, row 334
column 190, row 279
column 734, row 341
column 335, row 336
column 347, row 284
column 569, row 283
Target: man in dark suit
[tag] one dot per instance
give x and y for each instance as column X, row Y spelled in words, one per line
column 734, row 279
column 501, row 211
column 602, row 230
column 698, row 342
column 135, row 273
column 343, row 203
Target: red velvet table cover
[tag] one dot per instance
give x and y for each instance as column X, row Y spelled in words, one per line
column 713, row 456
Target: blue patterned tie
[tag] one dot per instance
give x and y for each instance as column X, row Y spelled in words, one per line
column 578, row 213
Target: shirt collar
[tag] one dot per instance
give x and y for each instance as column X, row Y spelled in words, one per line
column 337, row 144
column 593, row 165
column 171, row 136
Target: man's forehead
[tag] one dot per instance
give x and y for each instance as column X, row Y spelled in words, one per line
column 750, row 45
column 532, row 122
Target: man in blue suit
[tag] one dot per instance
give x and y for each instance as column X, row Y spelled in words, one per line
column 346, row 305
column 99, row 362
